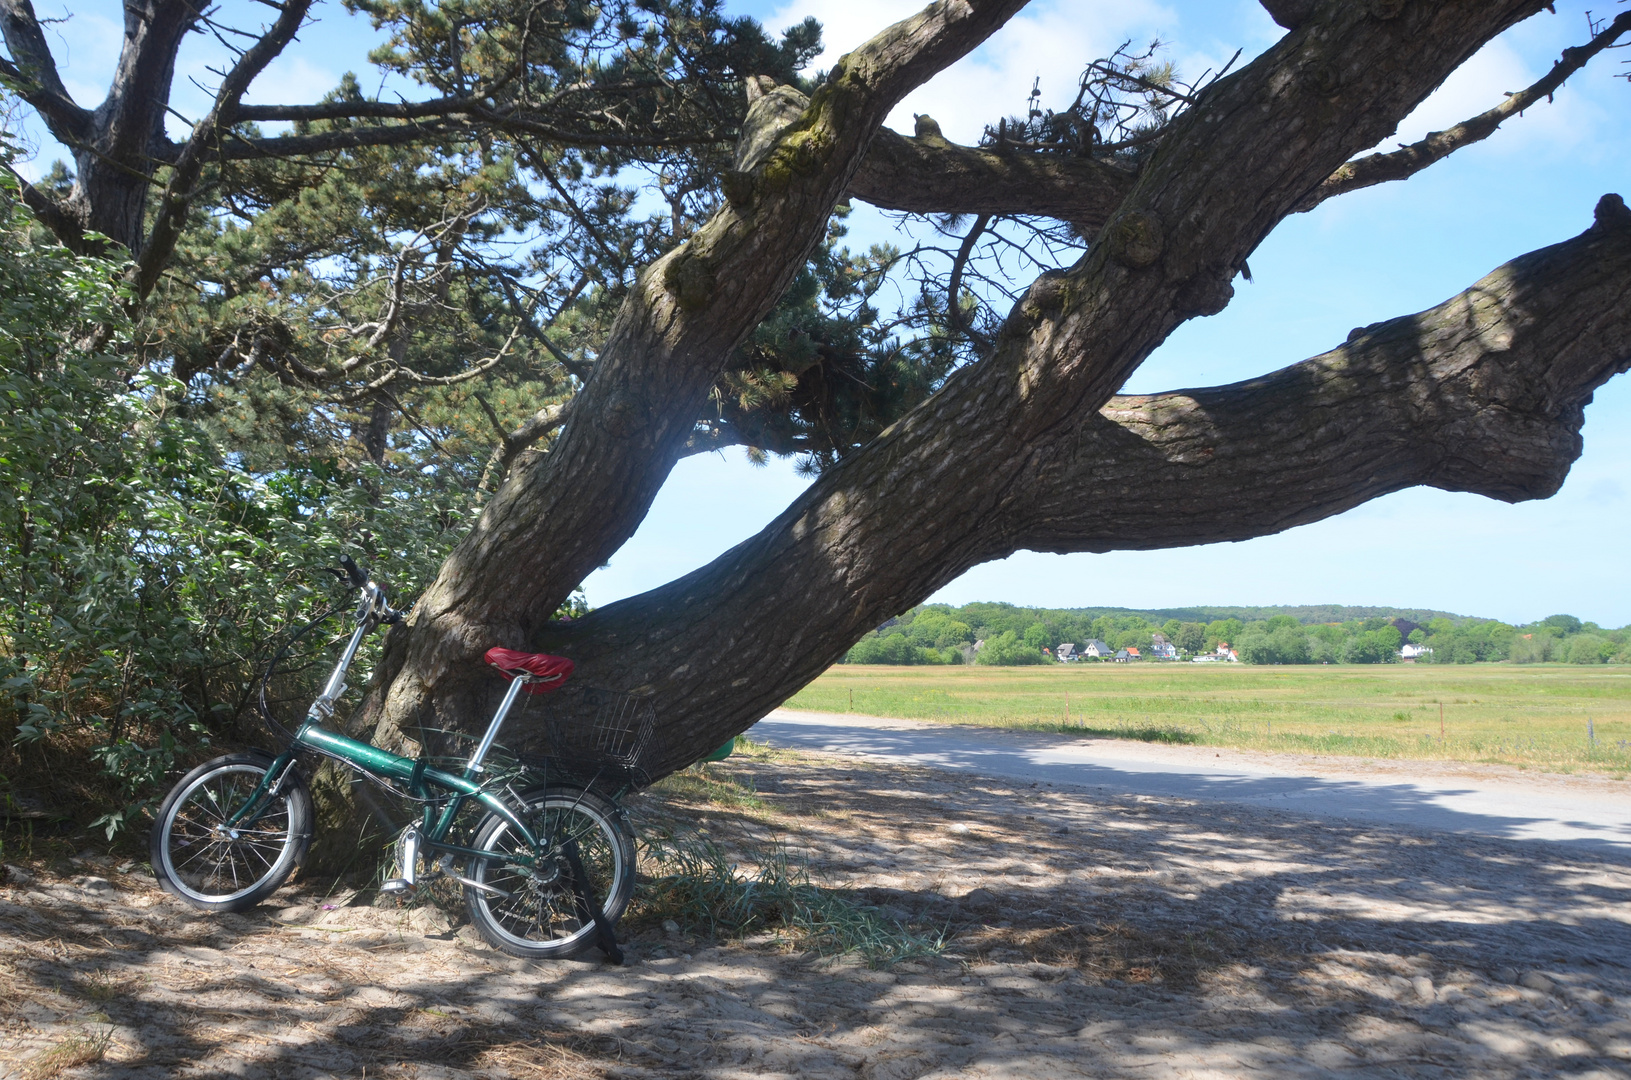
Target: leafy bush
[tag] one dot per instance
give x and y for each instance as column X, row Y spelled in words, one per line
column 1374, row 647
column 143, row 580
column 1587, row 649
column 1259, row 643
column 1007, row 650
column 893, row 649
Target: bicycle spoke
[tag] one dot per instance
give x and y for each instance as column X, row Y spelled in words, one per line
column 209, row 858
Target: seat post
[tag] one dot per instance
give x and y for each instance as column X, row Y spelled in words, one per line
column 486, row 743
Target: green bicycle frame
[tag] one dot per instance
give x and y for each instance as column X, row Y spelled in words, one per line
column 418, row 777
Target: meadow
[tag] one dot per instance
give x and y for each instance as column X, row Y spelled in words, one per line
column 1550, row 716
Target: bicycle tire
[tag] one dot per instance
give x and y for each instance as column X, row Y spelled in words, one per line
column 540, row 919
column 196, row 858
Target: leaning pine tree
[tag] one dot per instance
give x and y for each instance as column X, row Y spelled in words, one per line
column 1028, row 447
column 1023, row 442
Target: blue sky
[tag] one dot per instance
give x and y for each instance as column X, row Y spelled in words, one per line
column 1368, row 256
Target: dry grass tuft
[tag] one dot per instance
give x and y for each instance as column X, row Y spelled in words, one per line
column 80, row 1048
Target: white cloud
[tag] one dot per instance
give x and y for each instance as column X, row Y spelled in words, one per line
column 292, row 80
column 86, row 48
column 1053, row 39
column 1483, row 82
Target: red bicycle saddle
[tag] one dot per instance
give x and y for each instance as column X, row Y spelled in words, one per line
column 546, row 672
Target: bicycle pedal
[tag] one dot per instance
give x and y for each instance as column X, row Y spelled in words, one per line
column 396, row 885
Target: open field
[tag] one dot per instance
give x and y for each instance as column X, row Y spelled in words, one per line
column 1551, row 716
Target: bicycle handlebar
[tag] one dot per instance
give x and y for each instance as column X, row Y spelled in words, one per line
column 358, row 579
column 353, row 571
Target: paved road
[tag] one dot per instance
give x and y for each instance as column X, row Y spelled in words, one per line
column 1495, row 802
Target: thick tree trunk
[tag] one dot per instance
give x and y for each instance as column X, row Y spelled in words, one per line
column 1484, row 393
column 559, row 515
column 1227, row 171
column 120, row 146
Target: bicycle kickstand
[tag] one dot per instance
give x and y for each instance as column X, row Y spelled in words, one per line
column 605, row 938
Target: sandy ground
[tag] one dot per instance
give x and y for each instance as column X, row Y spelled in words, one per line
column 1090, row 936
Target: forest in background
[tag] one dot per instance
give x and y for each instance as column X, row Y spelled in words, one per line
column 1004, row 634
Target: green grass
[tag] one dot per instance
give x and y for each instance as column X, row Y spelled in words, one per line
column 1525, row 715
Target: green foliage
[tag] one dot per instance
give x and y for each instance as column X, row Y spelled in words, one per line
column 892, row 649
column 1221, row 630
column 143, row 579
column 1563, row 624
column 1190, row 638
column 823, row 374
column 1008, row 649
column 1378, row 646
column 1268, row 643
column 1469, row 644
column 1588, row 649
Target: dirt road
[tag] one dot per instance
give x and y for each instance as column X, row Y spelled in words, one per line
column 1090, row 936
column 1481, row 800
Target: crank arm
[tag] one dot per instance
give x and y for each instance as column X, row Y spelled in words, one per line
column 445, row 868
column 490, row 890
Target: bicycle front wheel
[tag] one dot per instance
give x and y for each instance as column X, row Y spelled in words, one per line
column 200, row 855
column 533, row 912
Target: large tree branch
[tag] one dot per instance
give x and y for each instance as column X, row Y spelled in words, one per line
column 1407, row 161
column 452, row 125
column 560, row 514
column 951, row 484
column 129, row 124
column 116, row 146
column 32, row 71
column 170, row 216
column 1482, row 393
column 235, row 147
column 919, row 175
column 933, row 494
column 928, row 175
column 50, row 212
column 359, row 110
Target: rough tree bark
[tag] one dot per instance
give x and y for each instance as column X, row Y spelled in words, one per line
column 559, row 515
column 1483, row 393
column 117, row 145
column 946, row 487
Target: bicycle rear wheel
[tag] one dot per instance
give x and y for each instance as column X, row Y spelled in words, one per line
column 534, row 913
column 212, row 865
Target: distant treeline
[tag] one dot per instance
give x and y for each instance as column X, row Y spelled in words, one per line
column 1004, row 634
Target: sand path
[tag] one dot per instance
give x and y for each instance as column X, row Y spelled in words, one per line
column 1091, row 936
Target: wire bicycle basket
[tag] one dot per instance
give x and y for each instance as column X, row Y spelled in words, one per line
column 600, row 738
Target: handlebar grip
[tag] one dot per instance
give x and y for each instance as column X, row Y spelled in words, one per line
column 358, row 578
